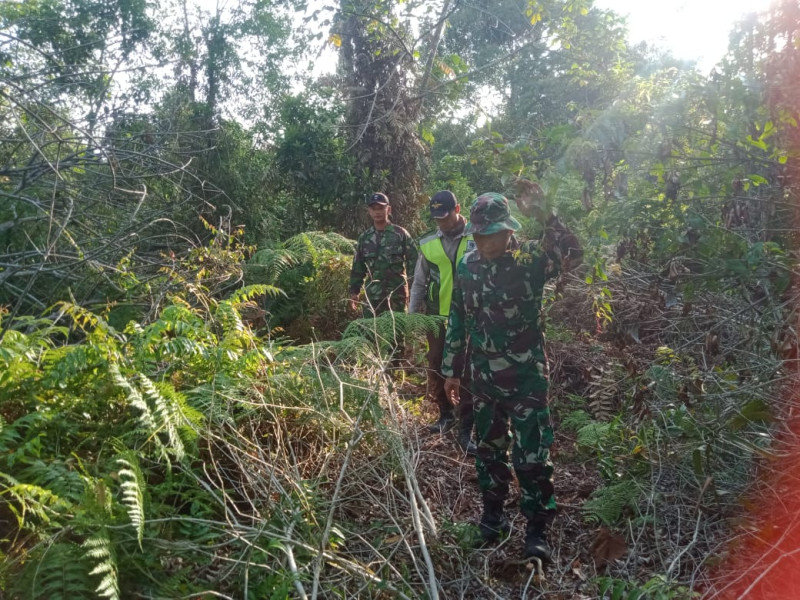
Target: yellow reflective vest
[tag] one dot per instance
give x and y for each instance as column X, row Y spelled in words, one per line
column 442, row 271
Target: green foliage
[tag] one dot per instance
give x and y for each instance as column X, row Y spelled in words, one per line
column 389, row 330
column 657, row 588
column 609, row 503
column 132, row 485
column 57, row 571
column 577, row 420
column 466, row 535
column 100, row 551
column 313, row 270
column 156, row 440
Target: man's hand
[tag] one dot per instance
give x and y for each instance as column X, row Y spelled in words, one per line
column 354, row 302
column 452, row 388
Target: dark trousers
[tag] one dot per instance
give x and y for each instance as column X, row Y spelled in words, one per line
column 529, row 436
column 435, row 380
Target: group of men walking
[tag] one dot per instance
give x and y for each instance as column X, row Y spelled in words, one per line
column 486, row 367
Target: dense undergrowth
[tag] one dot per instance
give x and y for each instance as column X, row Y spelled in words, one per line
column 188, row 455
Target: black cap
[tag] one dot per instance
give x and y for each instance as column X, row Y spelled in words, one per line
column 442, row 204
column 377, row 198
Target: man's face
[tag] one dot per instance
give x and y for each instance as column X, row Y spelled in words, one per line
column 494, row 245
column 379, row 213
column 450, row 222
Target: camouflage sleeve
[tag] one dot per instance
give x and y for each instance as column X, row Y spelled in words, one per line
column 455, row 340
column 358, row 271
column 562, row 247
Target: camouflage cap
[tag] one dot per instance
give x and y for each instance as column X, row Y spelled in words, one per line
column 489, row 214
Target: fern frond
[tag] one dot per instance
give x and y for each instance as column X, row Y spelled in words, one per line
column 55, row 572
column 187, row 419
column 592, row 434
column 250, row 292
column 40, row 502
column 132, row 485
column 55, row 476
column 86, row 319
column 229, row 318
column 99, row 548
column 310, row 243
column 389, row 328
column 136, row 400
column 270, row 263
column 165, row 414
column 607, row 503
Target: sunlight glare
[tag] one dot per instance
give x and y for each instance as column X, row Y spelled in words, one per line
column 690, row 29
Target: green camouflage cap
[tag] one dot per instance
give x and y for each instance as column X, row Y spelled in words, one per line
column 489, row 214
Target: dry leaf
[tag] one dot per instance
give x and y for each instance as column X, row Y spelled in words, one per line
column 607, row 547
column 392, row 539
column 576, row 570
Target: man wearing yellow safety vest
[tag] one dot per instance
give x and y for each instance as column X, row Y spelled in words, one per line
column 440, row 251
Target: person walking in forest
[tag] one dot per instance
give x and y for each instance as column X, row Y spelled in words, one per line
column 440, row 252
column 495, row 312
column 385, row 255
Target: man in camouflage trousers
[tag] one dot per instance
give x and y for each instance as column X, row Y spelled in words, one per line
column 496, row 310
column 385, row 254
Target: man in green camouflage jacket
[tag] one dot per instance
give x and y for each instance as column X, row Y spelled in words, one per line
column 385, row 256
column 496, row 309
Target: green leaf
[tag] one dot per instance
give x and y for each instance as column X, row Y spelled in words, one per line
column 737, row 267
column 697, row 461
column 755, row 411
column 759, row 143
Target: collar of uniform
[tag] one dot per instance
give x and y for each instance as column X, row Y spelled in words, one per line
column 462, row 222
column 389, row 227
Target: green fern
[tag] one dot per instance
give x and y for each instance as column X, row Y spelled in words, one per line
column 593, row 435
column 608, row 503
column 132, row 484
column 146, row 418
column 250, row 292
column 157, row 415
column 30, row 499
column 56, row 571
column 100, row 549
column 167, row 415
column 270, row 263
column 56, row 476
column 309, row 245
column 389, row 328
column 576, row 421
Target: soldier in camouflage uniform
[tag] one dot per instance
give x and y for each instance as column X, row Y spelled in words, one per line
column 496, row 310
column 385, row 254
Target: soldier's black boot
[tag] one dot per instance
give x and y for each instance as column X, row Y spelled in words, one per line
column 494, row 523
column 536, row 541
column 465, row 442
column 446, row 418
